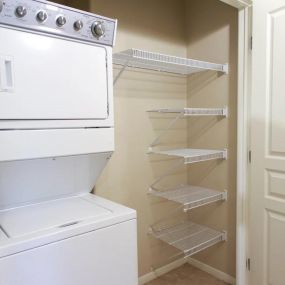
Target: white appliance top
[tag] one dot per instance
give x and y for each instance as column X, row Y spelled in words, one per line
column 52, row 18
column 34, row 225
column 52, row 214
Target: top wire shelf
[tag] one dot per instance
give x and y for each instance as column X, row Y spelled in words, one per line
column 164, row 63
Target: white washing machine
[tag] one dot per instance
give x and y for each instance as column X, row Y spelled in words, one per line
column 57, row 134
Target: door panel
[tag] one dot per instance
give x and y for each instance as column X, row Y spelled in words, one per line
column 276, row 84
column 275, row 247
column 276, row 184
column 267, row 192
column 43, row 77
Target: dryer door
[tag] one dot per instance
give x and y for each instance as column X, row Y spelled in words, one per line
column 43, row 77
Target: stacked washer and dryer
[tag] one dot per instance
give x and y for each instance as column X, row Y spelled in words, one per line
column 56, row 136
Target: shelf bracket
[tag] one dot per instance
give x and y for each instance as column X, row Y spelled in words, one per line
column 168, row 172
column 120, row 72
column 225, row 236
column 226, row 112
column 169, row 126
column 155, row 226
column 225, row 195
column 226, row 68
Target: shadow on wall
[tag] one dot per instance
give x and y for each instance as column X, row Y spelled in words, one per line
column 212, row 36
column 214, row 18
column 143, row 16
column 78, row 4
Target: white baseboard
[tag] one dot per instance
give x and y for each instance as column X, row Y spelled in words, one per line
column 161, row 271
column 212, row 271
column 194, row 262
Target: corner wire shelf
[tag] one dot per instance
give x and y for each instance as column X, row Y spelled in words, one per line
column 164, row 63
column 190, row 197
column 191, row 155
column 189, row 238
column 193, row 111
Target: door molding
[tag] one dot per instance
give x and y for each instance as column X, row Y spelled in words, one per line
column 243, row 129
column 243, row 141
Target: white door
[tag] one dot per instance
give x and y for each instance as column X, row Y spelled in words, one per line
column 43, row 77
column 267, row 191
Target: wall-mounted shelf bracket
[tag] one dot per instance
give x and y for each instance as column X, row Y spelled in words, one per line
column 168, row 127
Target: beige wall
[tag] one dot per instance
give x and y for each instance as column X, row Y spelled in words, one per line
column 204, row 30
column 212, row 36
column 144, row 25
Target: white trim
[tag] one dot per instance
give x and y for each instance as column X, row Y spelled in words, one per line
column 242, row 142
column 212, row 271
column 240, row 4
column 161, row 271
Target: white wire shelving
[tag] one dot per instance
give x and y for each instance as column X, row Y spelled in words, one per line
column 189, row 238
column 193, row 111
column 164, row 63
column 190, row 196
column 192, row 155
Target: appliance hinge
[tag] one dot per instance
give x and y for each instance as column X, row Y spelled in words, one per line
column 249, row 156
column 248, row 264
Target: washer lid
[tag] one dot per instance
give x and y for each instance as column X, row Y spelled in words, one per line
column 53, row 214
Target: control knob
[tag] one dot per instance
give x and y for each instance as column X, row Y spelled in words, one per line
column 78, row 25
column 98, row 29
column 21, row 11
column 60, row 21
column 42, row 16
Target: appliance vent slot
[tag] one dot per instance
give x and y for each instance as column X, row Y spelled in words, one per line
column 69, row 224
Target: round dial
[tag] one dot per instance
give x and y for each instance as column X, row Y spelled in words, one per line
column 98, row 29
column 60, row 21
column 42, row 16
column 1, row 6
column 78, row 25
column 21, row 11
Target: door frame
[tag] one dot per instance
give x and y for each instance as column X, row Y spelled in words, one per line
column 243, row 129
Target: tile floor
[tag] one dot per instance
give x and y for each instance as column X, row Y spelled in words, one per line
column 187, row 275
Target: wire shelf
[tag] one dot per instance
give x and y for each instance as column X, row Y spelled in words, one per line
column 193, row 111
column 190, row 196
column 191, row 155
column 164, row 63
column 189, row 238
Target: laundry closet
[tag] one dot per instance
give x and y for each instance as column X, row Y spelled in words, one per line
column 150, row 118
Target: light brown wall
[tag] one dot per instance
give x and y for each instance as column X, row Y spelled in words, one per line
column 205, row 30
column 212, row 36
column 144, row 25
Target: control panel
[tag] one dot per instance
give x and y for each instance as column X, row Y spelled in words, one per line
column 48, row 17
